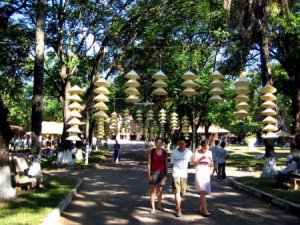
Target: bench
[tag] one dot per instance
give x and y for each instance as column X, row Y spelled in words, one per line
column 22, row 179
column 293, row 182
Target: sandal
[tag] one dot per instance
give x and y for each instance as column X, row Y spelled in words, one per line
column 206, row 214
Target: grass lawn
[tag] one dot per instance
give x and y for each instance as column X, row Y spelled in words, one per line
column 33, row 206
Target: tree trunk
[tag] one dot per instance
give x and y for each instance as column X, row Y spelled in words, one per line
column 38, row 85
column 295, row 147
column 6, row 190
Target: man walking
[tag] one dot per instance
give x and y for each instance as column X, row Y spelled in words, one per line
column 180, row 158
column 222, row 155
column 214, row 151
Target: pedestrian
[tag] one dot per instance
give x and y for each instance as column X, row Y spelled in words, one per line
column 203, row 160
column 287, row 171
column 222, row 155
column 181, row 156
column 116, row 149
column 214, row 150
column 157, row 168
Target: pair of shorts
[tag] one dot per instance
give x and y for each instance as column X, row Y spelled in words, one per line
column 158, row 177
column 179, row 185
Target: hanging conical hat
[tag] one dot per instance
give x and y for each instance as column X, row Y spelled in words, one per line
column 242, row 82
column 132, row 83
column 241, row 113
column 268, row 97
column 114, row 114
column 102, row 82
column 159, row 75
column 75, row 105
column 102, row 90
column 216, row 75
column 269, row 112
column 242, row 105
column 189, row 83
column 101, row 98
column 126, row 111
column 189, row 76
column 75, row 90
column 160, row 83
column 268, row 89
column 241, row 90
column 269, row 119
column 270, row 127
column 216, row 83
column 188, row 92
column 101, row 106
column 74, row 121
column 75, row 98
column 159, row 92
column 242, row 98
column 74, row 129
column 73, row 137
column 100, row 114
column 74, row 113
column 132, row 75
column 132, row 91
column 270, row 135
column 132, row 99
column 268, row 104
column 215, row 98
column 216, row 91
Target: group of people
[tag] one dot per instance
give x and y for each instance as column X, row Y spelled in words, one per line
column 181, row 156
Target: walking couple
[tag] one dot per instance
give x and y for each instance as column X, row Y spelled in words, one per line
column 180, row 158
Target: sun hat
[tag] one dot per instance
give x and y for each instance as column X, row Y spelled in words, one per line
column 289, row 157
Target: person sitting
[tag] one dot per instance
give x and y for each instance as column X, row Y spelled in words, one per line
column 286, row 172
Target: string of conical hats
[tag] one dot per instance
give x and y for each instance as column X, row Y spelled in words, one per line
column 269, row 111
column 174, row 121
column 185, row 127
column 114, row 123
column 74, row 113
column 132, row 85
column 216, row 85
column 241, row 89
column 101, row 98
column 162, row 121
column 160, row 84
column 189, row 84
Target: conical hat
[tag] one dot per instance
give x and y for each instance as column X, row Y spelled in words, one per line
column 132, row 83
column 242, row 105
column 74, row 113
column 268, row 104
column 269, row 112
column 270, row 135
column 241, row 113
column 174, row 114
column 132, row 75
column 100, row 114
column 242, row 98
column 102, row 90
column 189, row 76
column 189, row 83
column 132, row 99
column 242, row 82
column 269, row 119
column 216, row 91
column 102, row 82
column 270, row 127
column 114, row 114
column 101, row 98
column 73, row 137
column 241, row 90
column 268, row 97
column 159, row 75
column 188, row 92
column 215, row 98
column 216, row 75
column 75, row 97
column 132, row 91
column 75, row 105
column 160, row 83
column 75, row 90
column 74, row 129
column 268, row 89
column 100, row 106
column 160, row 92
column 216, row 83
column 74, row 121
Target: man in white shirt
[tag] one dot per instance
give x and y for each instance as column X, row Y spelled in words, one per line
column 289, row 170
column 180, row 158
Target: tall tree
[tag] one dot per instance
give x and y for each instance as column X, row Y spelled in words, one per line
column 38, row 85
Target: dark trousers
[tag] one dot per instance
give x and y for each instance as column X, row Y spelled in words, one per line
column 281, row 177
column 221, row 171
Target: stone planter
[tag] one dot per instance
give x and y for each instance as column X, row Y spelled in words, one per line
column 250, row 142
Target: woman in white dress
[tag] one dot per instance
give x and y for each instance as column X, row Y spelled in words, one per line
column 203, row 160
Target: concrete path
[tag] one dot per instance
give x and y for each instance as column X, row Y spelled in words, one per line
column 119, row 194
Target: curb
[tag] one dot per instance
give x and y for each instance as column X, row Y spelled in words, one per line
column 290, row 206
column 54, row 215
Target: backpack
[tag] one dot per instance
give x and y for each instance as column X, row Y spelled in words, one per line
column 152, row 156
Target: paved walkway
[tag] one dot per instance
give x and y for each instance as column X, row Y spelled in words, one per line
column 119, row 194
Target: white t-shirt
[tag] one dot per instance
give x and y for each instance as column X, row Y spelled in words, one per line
column 180, row 161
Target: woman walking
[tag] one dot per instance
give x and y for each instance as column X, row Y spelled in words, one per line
column 157, row 173
column 203, row 160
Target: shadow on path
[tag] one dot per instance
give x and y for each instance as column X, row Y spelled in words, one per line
column 119, row 194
